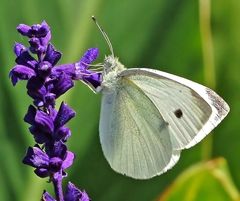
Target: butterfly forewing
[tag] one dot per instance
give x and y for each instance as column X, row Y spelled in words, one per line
column 190, row 109
column 134, row 136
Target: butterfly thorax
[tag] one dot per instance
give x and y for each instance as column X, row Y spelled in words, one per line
column 111, row 69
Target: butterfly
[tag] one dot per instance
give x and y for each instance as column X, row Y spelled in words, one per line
column 148, row 117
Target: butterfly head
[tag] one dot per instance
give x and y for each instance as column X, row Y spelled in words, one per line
column 111, row 64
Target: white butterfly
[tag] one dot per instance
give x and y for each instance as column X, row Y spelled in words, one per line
column 149, row 116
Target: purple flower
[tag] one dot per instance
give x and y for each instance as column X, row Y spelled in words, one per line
column 80, row 70
column 46, row 82
column 50, row 125
column 36, row 30
column 48, row 165
column 41, row 87
column 74, row 194
column 27, row 66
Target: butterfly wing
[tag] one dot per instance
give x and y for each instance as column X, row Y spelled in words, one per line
column 134, row 136
column 190, row 109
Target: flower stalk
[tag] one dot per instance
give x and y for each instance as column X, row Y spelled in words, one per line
column 58, row 189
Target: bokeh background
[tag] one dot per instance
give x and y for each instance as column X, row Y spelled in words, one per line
column 187, row 38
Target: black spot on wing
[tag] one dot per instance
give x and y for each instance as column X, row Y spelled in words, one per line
column 178, row 113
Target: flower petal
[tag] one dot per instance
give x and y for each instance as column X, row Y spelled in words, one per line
column 68, row 161
column 36, row 88
column 44, row 121
column 23, row 29
column 35, row 157
column 89, row 56
column 63, row 133
column 81, row 69
column 65, row 113
column 40, row 136
column 44, row 69
column 52, row 56
column 55, row 164
column 39, row 30
column 35, row 46
column 45, row 40
column 30, row 116
column 20, row 72
column 74, row 194
column 18, row 48
column 62, row 84
column 68, row 69
column 93, row 79
column 47, row 197
column 56, row 149
column 26, row 59
column 42, row 172
column 50, row 99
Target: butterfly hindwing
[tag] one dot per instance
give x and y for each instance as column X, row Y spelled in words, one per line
column 134, row 136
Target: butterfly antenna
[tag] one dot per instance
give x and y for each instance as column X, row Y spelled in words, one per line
column 105, row 36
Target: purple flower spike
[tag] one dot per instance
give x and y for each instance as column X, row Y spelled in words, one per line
column 45, row 83
column 47, row 197
column 74, row 194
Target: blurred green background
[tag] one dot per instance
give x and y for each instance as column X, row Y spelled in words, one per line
column 174, row 36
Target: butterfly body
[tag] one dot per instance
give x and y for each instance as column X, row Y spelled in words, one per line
column 112, row 68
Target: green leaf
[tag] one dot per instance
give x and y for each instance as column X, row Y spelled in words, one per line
column 205, row 181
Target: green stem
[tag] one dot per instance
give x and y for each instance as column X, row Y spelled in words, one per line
column 208, row 60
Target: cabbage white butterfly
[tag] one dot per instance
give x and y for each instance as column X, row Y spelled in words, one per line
column 149, row 116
